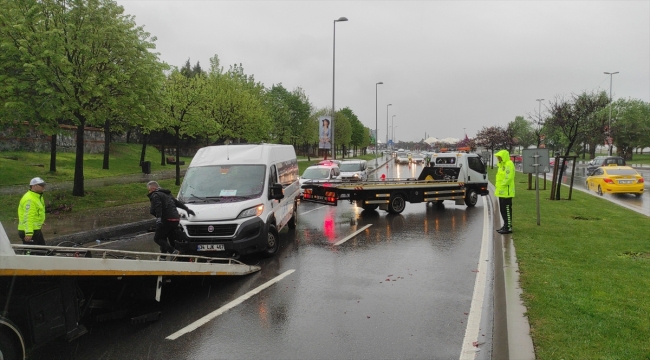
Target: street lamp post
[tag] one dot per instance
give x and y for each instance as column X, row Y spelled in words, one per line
column 379, row 83
column 392, row 126
column 334, row 83
column 609, row 126
column 387, row 124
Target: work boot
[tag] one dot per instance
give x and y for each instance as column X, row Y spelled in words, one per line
column 173, row 257
column 505, row 231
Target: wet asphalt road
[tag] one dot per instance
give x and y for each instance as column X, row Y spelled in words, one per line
column 401, row 288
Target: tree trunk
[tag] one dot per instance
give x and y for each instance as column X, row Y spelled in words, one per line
column 107, row 142
column 162, row 150
column 53, row 153
column 178, row 149
column 128, row 136
column 78, row 183
column 145, row 137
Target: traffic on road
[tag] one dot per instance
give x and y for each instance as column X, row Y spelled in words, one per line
column 345, row 283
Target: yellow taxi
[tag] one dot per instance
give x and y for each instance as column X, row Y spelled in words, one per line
column 615, row 179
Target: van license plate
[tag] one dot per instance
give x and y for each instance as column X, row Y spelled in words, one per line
column 211, row 247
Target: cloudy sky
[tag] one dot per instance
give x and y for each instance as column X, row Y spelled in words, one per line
column 448, row 67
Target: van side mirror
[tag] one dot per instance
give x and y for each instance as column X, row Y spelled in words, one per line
column 275, row 192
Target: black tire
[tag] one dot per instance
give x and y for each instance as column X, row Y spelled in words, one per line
column 471, row 197
column 293, row 222
column 600, row 191
column 397, row 204
column 9, row 347
column 638, row 194
column 272, row 242
column 370, row 207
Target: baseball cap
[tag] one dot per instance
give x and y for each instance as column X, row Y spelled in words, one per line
column 36, row 181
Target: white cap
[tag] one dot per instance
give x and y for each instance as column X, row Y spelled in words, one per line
column 36, row 181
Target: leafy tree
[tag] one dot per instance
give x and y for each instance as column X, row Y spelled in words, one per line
column 493, row 138
column 183, row 99
column 79, row 53
column 237, row 104
column 571, row 118
column 522, row 131
column 631, row 126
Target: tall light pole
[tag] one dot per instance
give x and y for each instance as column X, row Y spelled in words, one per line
column 376, row 85
column 392, row 126
column 387, row 123
column 334, row 83
column 609, row 126
column 539, row 122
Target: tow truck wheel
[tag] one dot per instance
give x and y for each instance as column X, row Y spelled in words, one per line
column 293, row 222
column 370, row 207
column 471, row 198
column 9, row 346
column 273, row 242
column 397, row 204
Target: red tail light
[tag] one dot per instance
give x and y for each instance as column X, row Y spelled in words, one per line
column 609, row 181
column 641, row 181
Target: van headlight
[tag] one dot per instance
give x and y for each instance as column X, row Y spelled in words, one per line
column 254, row 211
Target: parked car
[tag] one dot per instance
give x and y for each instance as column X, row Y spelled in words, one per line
column 319, row 173
column 599, row 161
column 329, row 162
column 354, row 170
column 615, row 179
column 516, row 159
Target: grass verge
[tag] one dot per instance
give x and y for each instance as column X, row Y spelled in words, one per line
column 584, row 274
column 18, row 167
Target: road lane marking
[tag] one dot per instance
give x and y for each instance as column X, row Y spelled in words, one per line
column 470, row 342
column 351, row 235
column 204, row 320
column 308, row 211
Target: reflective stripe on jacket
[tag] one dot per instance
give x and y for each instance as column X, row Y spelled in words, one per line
column 505, row 182
column 31, row 212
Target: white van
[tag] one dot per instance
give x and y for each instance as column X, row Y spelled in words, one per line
column 243, row 195
column 354, row 170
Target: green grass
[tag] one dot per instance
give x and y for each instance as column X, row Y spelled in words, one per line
column 584, row 274
column 18, row 167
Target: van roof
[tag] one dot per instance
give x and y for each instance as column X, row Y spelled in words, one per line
column 243, row 154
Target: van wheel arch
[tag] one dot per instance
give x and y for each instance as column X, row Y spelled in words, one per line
column 12, row 344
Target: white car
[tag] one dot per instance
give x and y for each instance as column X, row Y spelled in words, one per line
column 319, row 173
column 354, row 170
column 401, row 158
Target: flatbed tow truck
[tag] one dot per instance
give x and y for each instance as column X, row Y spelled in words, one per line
column 45, row 291
column 460, row 177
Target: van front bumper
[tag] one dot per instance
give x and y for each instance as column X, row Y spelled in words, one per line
column 248, row 237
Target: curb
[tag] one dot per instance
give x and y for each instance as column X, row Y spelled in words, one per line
column 106, row 233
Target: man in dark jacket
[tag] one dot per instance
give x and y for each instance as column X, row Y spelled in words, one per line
column 163, row 207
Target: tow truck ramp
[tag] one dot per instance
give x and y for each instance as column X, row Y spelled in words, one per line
column 45, row 291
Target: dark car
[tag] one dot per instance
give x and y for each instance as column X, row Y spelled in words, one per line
column 599, row 161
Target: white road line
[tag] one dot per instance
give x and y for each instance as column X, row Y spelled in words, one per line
column 204, row 320
column 351, row 235
column 474, row 319
column 320, row 207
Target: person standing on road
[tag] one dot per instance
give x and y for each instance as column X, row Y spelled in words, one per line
column 163, row 207
column 31, row 213
column 505, row 189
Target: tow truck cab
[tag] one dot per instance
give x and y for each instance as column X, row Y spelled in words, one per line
column 466, row 168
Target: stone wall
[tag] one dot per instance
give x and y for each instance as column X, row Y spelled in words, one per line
column 66, row 141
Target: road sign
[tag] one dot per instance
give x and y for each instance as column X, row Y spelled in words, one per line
column 535, row 161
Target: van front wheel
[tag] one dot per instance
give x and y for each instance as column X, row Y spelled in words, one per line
column 272, row 241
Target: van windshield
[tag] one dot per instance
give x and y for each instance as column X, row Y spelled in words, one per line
column 350, row 167
column 217, row 183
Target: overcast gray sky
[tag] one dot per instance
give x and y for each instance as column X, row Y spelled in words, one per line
column 446, row 65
